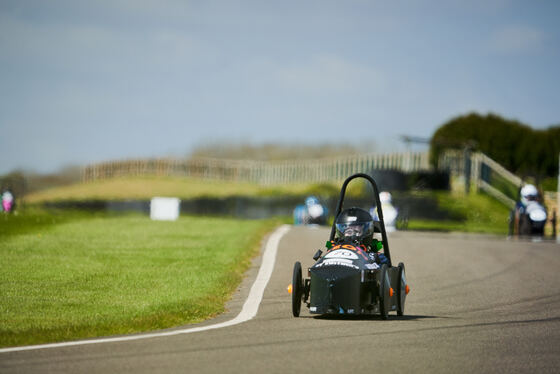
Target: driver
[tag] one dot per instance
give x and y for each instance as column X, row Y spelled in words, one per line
column 527, row 204
column 529, row 193
column 355, row 225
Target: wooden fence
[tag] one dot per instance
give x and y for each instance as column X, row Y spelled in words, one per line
column 266, row 173
column 481, row 172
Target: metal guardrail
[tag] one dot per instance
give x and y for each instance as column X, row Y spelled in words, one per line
column 482, row 173
column 497, row 168
column 497, row 194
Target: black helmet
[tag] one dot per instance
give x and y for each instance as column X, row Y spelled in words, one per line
column 355, row 224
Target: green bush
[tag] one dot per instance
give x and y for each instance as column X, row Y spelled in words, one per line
column 515, row 145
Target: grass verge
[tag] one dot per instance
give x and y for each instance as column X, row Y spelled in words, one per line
column 79, row 276
column 469, row 213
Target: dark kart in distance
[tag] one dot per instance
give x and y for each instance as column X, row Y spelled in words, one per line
column 345, row 280
column 529, row 216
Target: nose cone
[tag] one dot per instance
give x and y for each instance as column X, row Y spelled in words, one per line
column 335, row 288
column 333, row 272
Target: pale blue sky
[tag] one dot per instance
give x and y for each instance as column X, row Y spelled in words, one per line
column 89, row 81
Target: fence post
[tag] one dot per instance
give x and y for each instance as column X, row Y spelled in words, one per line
column 467, row 169
column 475, row 170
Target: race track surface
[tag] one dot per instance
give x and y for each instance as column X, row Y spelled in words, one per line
column 477, row 304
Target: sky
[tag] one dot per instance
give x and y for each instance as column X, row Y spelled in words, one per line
column 91, row 81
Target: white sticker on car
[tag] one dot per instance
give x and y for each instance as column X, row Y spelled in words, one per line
column 342, row 253
column 336, row 262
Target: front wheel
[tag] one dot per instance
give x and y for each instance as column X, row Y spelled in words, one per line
column 384, row 286
column 525, row 228
column 297, row 289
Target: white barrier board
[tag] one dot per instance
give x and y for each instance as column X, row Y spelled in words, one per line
column 164, row 208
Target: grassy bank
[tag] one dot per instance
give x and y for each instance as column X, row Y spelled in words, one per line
column 75, row 275
column 468, row 213
column 144, row 188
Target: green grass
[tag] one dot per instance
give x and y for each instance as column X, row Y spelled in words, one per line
column 550, row 184
column 76, row 275
column 144, row 188
column 468, row 213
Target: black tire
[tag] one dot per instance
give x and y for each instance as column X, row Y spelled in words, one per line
column 537, row 228
column 297, row 289
column 525, row 228
column 384, row 298
column 401, row 291
column 511, row 223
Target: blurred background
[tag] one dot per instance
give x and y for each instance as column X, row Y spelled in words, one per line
column 114, row 101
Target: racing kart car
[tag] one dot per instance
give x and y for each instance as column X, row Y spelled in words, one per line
column 310, row 213
column 345, row 280
column 529, row 215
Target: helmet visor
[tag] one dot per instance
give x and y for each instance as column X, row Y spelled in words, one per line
column 354, row 229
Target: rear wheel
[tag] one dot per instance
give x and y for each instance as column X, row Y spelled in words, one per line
column 511, row 223
column 384, row 286
column 524, row 225
column 401, row 291
column 297, row 289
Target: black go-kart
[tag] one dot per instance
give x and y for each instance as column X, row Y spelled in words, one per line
column 345, row 281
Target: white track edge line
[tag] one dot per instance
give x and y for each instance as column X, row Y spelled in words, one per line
column 249, row 310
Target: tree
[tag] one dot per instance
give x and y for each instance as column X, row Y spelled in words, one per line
column 515, row 145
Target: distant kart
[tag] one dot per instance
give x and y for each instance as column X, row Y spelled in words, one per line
column 310, row 213
column 395, row 218
column 531, row 220
column 529, row 216
column 345, row 281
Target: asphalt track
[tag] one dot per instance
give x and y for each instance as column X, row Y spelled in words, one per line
column 477, row 304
